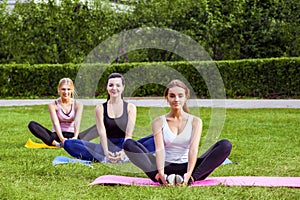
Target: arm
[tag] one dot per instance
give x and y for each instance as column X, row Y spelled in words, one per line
column 131, row 120
column 129, row 129
column 78, row 109
column 193, row 151
column 101, row 129
column 159, row 149
column 55, row 121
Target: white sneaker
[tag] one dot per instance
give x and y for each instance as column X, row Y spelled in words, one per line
column 174, row 179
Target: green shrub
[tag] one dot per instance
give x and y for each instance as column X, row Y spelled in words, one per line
column 262, row 78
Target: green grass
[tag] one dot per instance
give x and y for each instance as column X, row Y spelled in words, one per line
column 265, row 143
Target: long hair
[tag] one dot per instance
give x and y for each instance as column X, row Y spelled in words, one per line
column 178, row 83
column 66, row 81
column 116, row 75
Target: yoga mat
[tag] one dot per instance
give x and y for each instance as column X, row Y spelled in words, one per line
column 64, row 160
column 265, row 181
column 227, row 161
column 30, row 144
column 125, row 180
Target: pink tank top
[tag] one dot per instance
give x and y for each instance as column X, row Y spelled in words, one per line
column 66, row 120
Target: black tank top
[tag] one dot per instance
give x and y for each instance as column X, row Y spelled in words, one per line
column 115, row 127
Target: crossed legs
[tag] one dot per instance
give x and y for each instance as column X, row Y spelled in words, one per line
column 205, row 165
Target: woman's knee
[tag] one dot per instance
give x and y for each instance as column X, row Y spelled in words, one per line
column 226, row 145
column 31, row 124
column 68, row 145
column 127, row 144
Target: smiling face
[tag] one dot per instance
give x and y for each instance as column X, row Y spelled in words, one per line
column 65, row 91
column 177, row 93
column 65, row 88
column 176, row 97
column 115, row 87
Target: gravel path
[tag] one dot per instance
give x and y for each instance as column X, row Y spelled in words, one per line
column 157, row 102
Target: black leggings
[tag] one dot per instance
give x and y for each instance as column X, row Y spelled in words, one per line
column 48, row 137
column 45, row 134
column 205, row 164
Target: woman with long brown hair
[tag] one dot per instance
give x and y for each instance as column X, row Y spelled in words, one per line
column 177, row 137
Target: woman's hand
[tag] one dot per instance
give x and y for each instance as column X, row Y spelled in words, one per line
column 112, row 157
column 186, row 178
column 63, row 140
column 120, row 155
column 162, row 178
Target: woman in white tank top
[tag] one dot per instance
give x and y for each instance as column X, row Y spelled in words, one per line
column 177, row 137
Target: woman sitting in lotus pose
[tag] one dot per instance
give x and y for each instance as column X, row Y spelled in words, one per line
column 65, row 114
column 176, row 137
column 115, row 121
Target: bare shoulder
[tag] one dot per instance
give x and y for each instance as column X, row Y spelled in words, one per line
column 52, row 105
column 157, row 125
column 78, row 104
column 131, row 107
column 157, row 122
column 99, row 108
column 196, row 121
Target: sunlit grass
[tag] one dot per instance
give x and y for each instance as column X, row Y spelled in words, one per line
column 265, row 143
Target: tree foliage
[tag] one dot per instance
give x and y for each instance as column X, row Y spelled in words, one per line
column 48, row 32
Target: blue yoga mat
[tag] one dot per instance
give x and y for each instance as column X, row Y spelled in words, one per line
column 64, row 160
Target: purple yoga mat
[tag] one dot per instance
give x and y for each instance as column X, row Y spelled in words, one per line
column 228, row 181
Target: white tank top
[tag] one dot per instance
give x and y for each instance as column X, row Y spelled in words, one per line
column 177, row 146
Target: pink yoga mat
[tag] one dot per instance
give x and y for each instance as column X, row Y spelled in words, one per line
column 266, row 181
column 211, row 181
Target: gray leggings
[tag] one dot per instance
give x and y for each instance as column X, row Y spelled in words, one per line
column 205, row 164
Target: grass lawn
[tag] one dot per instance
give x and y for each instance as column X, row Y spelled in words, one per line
column 265, row 143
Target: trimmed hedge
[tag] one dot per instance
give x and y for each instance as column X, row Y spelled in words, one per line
column 262, row 78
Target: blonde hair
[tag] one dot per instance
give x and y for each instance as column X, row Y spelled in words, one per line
column 178, row 83
column 66, row 81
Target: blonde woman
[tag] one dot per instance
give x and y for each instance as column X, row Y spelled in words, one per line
column 176, row 137
column 65, row 114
